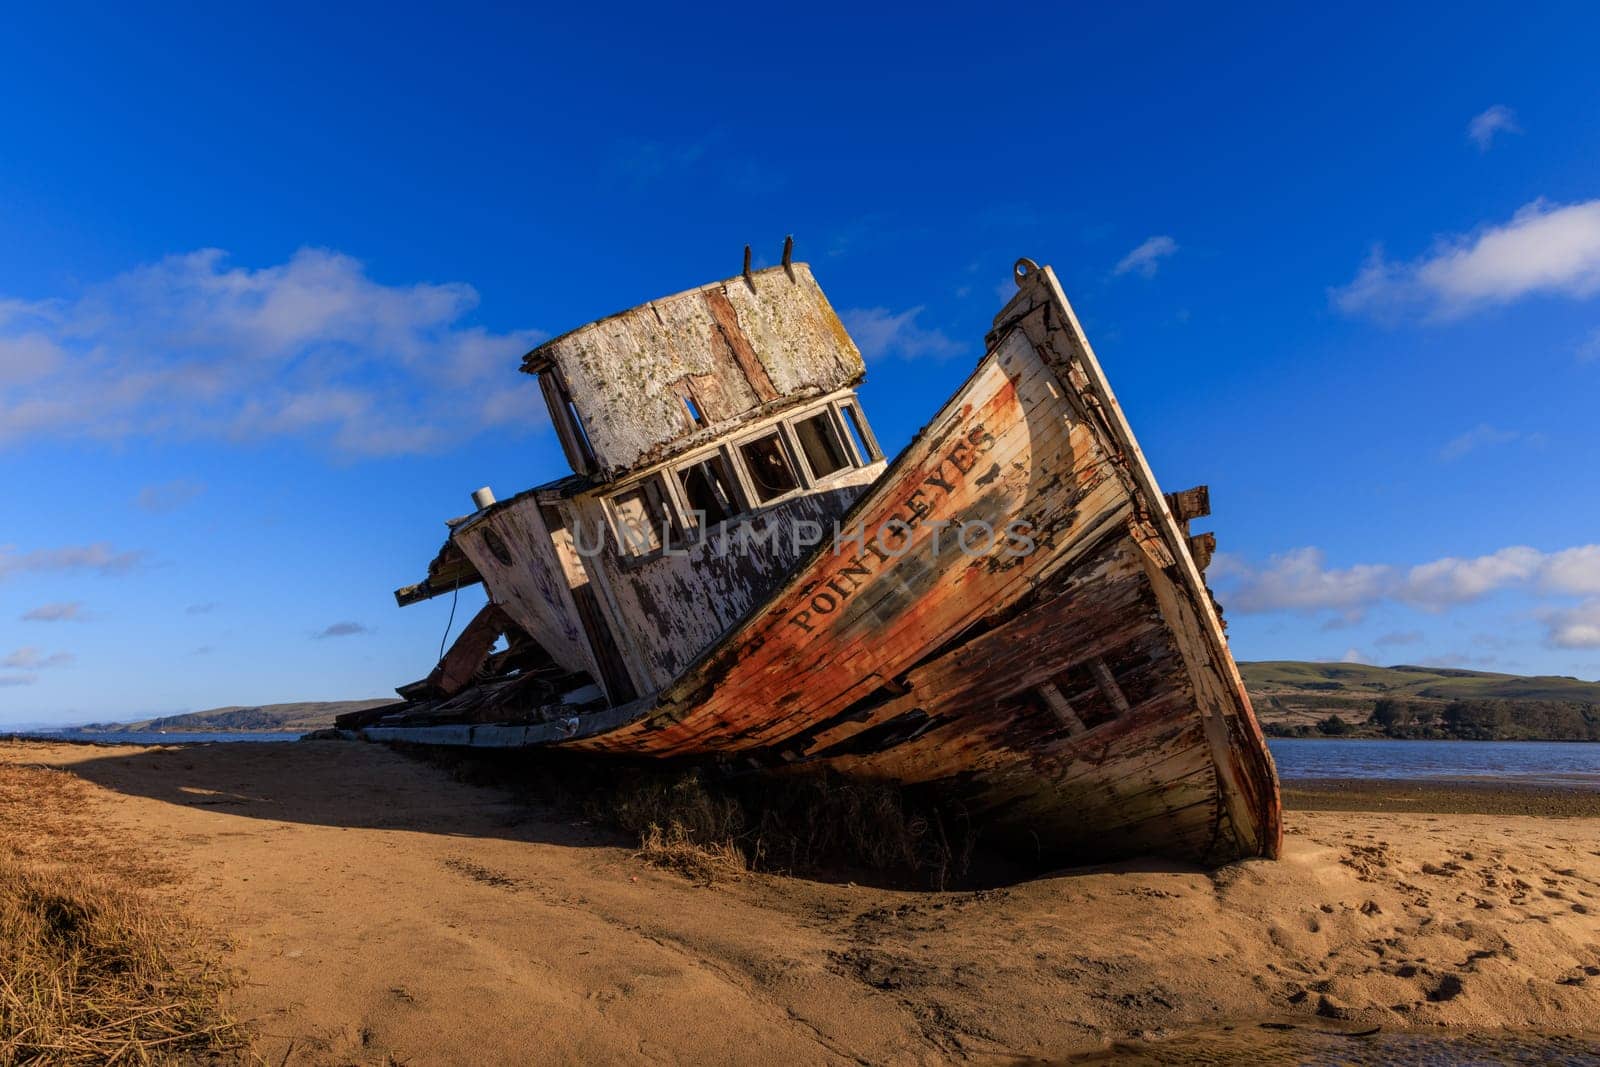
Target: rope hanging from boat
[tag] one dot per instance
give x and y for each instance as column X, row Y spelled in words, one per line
column 455, row 591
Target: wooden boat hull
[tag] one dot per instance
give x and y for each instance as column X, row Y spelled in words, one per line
column 1076, row 696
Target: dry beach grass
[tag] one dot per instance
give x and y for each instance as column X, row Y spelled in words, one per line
column 93, row 969
column 379, row 908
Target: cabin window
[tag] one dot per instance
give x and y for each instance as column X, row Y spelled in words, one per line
column 855, row 423
column 708, row 489
column 819, row 440
column 767, row 461
column 642, row 515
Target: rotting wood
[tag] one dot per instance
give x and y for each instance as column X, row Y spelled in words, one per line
column 1080, row 697
column 1108, row 685
column 1190, row 504
column 449, row 572
column 1061, row 708
column 469, row 652
column 732, row 335
column 772, row 341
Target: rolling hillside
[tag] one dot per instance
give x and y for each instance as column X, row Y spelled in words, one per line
column 263, row 718
column 1292, row 697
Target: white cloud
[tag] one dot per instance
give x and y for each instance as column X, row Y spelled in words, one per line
column 1300, row 580
column 1401, row 637
column 1354, row 655
column 27, row 357
column 1454, row 581
column 99, row 557
column 882, row 333
column 17, row 679
column 1146, row 259
column 169, row 496
column 1484, row 125
column 191, row 347
column 1480, row 436
column 1577, row 627
column 1545, row 248
column 71, row 611
column 343, row 629
column 1574, row 571
column 30, row 658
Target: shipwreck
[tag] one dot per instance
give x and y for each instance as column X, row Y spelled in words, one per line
column 1010, row 615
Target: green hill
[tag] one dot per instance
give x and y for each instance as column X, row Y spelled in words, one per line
column 1298, row 698
column 262, row 718
column 1435, row 683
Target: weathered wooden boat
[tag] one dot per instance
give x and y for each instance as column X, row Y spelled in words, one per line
column 1011, row 615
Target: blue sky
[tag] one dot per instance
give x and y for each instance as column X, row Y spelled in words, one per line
column 267, row 278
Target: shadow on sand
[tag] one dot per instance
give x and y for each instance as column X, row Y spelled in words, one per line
column 571, row 802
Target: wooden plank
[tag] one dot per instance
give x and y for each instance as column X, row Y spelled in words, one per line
column 1189, row 504
column 1107, row 683
column 738, row 344
column 469, row 651
column 1061, row 708
column 556, row 397
column 448, row 571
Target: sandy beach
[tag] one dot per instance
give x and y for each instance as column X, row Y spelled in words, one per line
column 376, row 910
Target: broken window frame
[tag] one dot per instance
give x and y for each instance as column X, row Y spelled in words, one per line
column 668, row 533
column 740, row 500
column 790, row 449
column 857, row 432
column 835, row 424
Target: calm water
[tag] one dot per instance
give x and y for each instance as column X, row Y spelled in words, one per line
column 1534, row 762
column 135, row 737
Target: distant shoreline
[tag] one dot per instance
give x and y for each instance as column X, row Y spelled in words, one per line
column 301, row 717
column 125, row 738
column 79, row 731
column 1440, row 796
